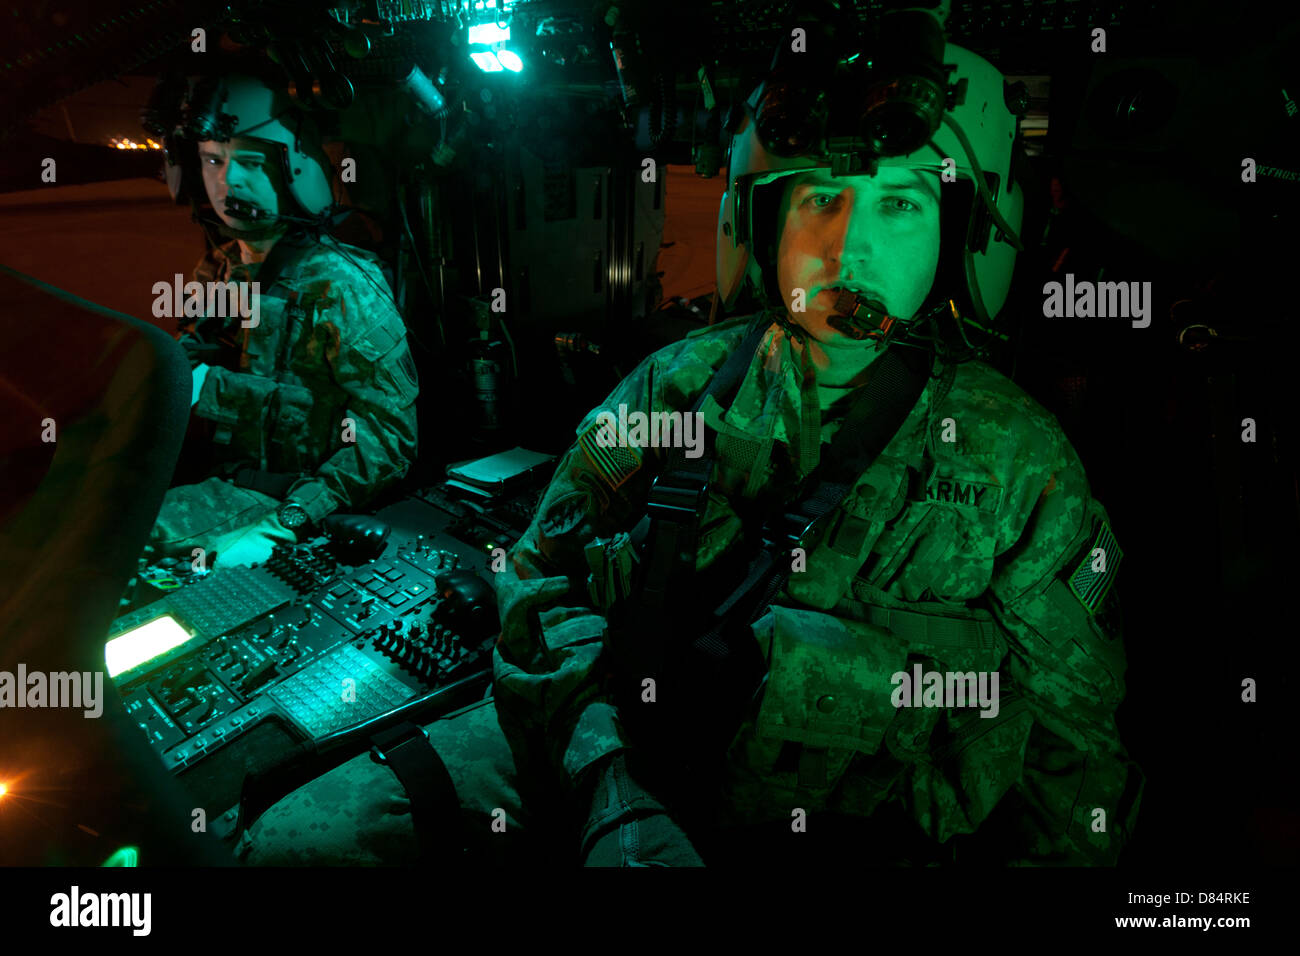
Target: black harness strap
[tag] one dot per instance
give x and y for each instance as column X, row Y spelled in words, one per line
column 723, row 666
column 877, row 413
column 678, row 496
column 284, row 254
column 287, row 250
column 725, row 660
column 435, row 809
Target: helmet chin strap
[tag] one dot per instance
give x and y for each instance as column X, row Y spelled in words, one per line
column 791, row 328
column 264, row 230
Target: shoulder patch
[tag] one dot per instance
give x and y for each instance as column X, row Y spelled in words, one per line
column 607, row 449
column 565, row 514
column 407, row 364
column 1096, row 573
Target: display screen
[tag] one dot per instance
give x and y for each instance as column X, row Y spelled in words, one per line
column 144, row 643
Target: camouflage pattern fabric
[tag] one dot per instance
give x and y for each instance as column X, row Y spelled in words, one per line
column 192, row 516
column 330, row 345
column 986, row 528
column 358, row 814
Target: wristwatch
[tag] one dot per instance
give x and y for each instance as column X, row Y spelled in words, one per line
column 292, row 515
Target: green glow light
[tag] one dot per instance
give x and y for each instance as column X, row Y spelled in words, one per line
column 488, row 33
column 144, row 643
column 486, row 61
column 127, row 856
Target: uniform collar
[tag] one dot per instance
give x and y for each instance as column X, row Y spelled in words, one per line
column 224, row 263
column 777, row 402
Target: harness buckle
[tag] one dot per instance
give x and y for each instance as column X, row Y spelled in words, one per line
column 678, row 497
column 391, row 741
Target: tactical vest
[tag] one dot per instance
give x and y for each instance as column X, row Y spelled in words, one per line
column 290, row 423
column 921, row 528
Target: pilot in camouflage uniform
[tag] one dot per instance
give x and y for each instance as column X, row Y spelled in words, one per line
column 970, row 544
column 928, row 529
column 330, row 346
column 313, row 405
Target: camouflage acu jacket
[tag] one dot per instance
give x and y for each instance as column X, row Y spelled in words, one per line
column 969, row 554
column 326, row 385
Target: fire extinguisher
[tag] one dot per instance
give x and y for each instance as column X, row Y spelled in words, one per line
column 487, row 364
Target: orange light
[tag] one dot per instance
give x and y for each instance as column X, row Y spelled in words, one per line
column 4, row 788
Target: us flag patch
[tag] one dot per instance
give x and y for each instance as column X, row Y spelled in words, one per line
column 616, row 463
column 1092, row 580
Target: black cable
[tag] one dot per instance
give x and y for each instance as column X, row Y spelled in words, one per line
column 419, row 263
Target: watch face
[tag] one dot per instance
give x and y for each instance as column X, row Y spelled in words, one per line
column 292, row 516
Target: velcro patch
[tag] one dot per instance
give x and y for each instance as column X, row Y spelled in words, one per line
column 608, row 450
column 407, row 364
column 957, row 491
column 565, row 514
column 1096, row 573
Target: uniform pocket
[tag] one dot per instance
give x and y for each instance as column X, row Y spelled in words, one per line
column 894, row 546
column 828, row 683
column 968, row 771
column 291, row 446
column 931, row 557
column 967, row 727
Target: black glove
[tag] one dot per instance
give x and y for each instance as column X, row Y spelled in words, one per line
column 627, row 826
column 199, row 352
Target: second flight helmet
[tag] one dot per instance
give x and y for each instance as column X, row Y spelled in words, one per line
column 835, row 112
column 186, row 111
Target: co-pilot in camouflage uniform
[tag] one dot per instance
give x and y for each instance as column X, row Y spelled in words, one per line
column 995, row 529
column 330, row 345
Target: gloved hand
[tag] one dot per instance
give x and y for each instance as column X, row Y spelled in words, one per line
column 249, row 545
column 196, row 350
column 629, row 827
